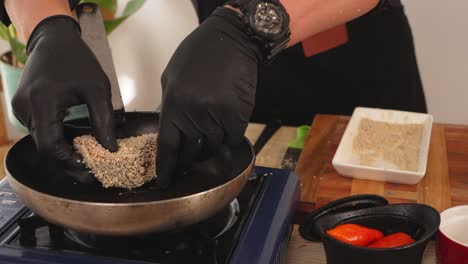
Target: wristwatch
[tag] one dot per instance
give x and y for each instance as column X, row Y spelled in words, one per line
column 267, row 22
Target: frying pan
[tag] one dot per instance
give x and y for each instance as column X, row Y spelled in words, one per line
column 195, row 194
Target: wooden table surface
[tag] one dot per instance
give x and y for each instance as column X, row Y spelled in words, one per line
column 444, row 185
column 447, row 171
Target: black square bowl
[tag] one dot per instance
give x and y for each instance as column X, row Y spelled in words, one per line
column 417, row 220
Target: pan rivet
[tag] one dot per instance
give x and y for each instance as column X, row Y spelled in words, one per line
column 88, row 9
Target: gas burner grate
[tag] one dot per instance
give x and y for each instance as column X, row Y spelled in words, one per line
column 197, row 242
column 28, row 230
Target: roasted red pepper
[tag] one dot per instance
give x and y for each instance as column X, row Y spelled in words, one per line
column 391, row 241
column 355, row 234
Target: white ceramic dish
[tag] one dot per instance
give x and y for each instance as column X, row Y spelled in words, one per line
column 346, row 164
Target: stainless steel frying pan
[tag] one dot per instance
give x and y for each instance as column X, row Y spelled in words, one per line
column 196, row 194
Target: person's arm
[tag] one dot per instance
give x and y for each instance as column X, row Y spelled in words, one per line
column 26, row 14
column 310, row 17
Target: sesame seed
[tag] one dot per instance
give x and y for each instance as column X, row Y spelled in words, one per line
column 130, row 167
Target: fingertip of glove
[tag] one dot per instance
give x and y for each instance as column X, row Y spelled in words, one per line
column 61, row 170
column 163, row 173
column 82, row 176
column 111, row 145
column 163, row 182
column 76, row 168
column 108, row 140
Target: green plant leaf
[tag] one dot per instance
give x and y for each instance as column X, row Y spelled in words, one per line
column 110, row 5
column 4, row 33
column 19, row 50
column 112, row 24
column 12, row 31
column 132, row 6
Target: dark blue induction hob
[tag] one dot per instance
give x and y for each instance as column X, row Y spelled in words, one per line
column 254, row 228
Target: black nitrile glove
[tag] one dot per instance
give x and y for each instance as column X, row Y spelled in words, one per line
column 61, row 72
column 208, row 93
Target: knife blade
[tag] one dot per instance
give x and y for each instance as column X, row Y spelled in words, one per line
column 94, row 35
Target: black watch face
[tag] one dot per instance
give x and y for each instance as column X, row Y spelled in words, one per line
column 268, row 18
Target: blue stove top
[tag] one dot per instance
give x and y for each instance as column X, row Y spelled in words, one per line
column 260, row 234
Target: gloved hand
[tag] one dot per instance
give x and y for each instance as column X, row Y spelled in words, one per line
column 61, row 72
column 208, row 92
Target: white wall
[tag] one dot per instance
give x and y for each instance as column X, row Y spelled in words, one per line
column 440, row 29
column 143, row 45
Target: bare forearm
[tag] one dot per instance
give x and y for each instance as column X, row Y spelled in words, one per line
column 309, row 17
column 26, row 14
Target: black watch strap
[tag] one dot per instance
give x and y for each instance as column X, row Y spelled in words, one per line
column 238, row 3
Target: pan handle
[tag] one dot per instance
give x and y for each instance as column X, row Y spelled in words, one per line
column 269, row 130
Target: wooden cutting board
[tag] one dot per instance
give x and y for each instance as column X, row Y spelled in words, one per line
column 444, row 185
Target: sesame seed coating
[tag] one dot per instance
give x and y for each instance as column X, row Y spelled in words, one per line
column 130, row 167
